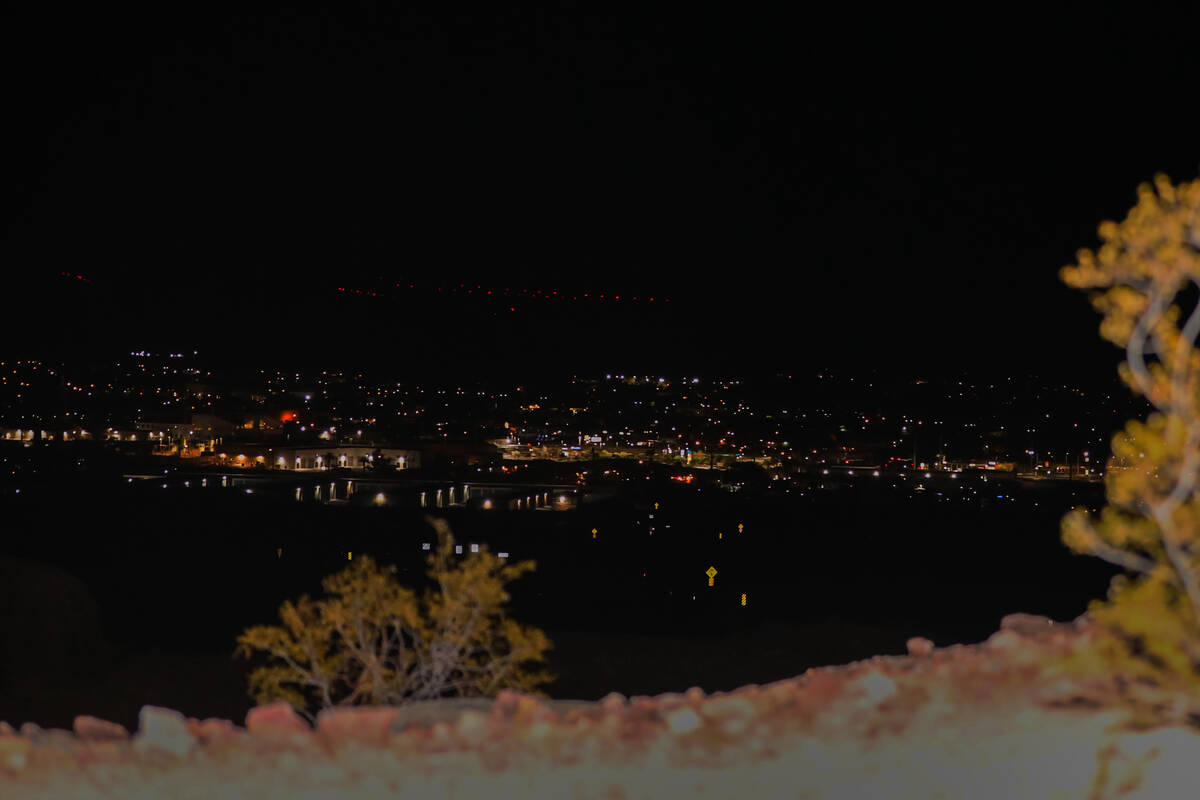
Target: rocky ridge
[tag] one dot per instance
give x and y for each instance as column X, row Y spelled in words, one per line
column 996, row 719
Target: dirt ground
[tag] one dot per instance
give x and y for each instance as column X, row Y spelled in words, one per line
column 1000, row 719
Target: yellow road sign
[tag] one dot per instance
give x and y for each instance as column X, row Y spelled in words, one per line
column 711, row 572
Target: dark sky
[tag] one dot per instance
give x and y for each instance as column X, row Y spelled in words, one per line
column 862, row 190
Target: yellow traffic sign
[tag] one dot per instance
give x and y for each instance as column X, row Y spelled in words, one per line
column 711, row 572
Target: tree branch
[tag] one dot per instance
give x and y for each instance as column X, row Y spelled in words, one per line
column 1121, row 558
column 1136, row 348
column 1187, row 341
column 1163, row 512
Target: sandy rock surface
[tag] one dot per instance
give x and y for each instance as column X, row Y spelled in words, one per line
column 995, row 720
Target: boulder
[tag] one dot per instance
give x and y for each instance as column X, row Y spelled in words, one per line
column 276, row 720
column 919, row 647
column 1029, row 625
column 93, row 729
column 162, row 729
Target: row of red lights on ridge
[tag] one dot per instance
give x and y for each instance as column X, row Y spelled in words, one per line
column 538, row 293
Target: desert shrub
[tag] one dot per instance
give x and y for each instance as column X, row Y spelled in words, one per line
column 372, row 641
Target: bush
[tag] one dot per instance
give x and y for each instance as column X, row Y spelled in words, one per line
column 373, row 641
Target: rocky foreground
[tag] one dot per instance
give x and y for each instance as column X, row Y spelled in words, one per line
column 1001, row 719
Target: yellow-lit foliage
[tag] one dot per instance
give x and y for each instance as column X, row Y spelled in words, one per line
column 373, row 641
column 1144, row 268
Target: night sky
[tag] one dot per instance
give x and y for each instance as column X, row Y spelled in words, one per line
column 864, row 191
